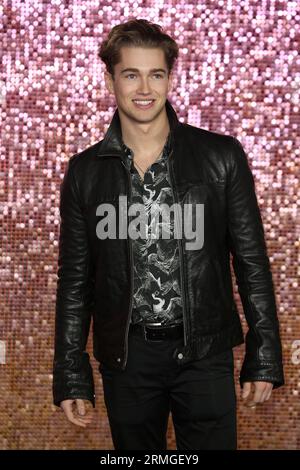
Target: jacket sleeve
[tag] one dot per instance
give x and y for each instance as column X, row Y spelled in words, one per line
column 72, row 372
column 263, row 358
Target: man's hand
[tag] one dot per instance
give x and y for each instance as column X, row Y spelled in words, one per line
column 262, row 392
column 79, row 416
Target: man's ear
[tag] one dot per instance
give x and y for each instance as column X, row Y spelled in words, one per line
column 108, row 81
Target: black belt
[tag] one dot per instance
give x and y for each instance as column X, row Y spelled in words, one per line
column 157, row 333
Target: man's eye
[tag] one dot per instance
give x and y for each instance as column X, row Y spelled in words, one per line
column 157, row 75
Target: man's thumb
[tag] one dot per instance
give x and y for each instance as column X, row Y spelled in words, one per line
column 246, row 389
column 80, row 407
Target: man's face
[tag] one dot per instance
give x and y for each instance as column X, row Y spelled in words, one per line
column 141, row 76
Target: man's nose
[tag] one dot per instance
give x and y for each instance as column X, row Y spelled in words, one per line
column 144, row 86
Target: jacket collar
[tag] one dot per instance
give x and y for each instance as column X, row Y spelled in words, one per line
column 113, row 144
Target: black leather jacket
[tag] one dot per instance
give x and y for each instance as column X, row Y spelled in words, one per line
column 95, row 276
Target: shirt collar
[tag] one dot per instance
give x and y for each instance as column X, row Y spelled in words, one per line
column 165, row 153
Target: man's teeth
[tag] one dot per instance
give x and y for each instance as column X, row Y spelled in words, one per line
column 143, row 102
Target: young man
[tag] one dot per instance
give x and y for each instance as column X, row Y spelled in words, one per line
column 164, row 317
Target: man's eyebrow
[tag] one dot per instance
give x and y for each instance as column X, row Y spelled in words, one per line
column 131, row 69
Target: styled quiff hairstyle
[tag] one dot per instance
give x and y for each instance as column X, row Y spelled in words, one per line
column 136, row 33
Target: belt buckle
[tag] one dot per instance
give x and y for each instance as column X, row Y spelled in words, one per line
column 145, row 333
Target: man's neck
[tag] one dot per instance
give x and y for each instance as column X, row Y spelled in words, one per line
column 145, row 139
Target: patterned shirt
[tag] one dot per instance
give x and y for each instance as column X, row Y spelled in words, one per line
column 157, row 290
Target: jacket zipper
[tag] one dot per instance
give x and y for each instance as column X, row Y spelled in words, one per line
column 130, row 256
column 179, row 240
column 131, row 271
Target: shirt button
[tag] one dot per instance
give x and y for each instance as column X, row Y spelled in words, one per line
column 118, row 359
column 180, row 356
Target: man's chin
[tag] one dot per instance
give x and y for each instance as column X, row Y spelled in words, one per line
column 141, row 115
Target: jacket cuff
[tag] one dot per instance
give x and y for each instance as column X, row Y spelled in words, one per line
column 71, row 385
column 268, row 371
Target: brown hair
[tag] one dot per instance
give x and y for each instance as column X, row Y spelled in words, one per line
column 138, row 33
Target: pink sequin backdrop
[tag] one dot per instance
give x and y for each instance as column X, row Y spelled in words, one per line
column 238, row 73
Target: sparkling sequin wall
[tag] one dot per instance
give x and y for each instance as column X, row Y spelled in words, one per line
column 237, row 73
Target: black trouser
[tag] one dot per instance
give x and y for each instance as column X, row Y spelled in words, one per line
column 200, row 395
